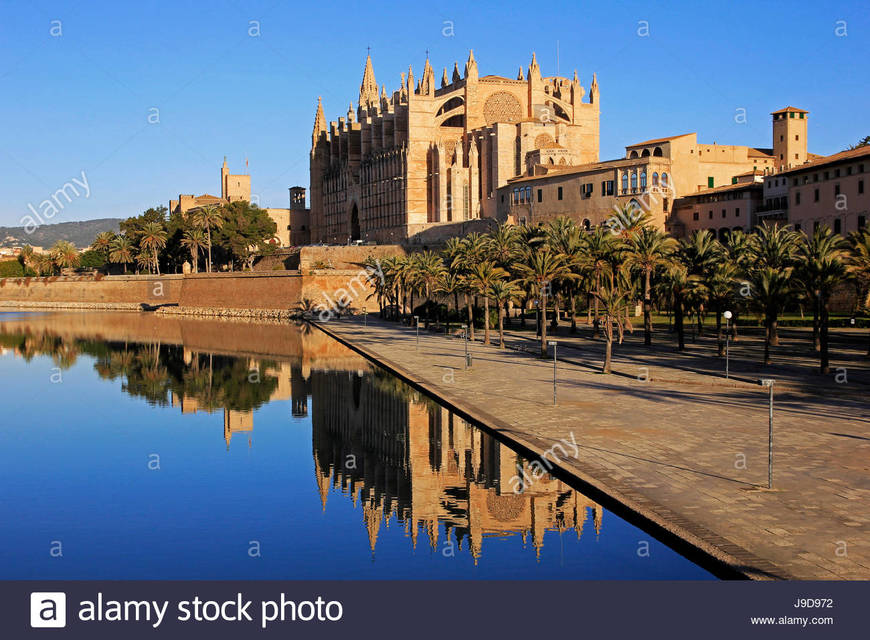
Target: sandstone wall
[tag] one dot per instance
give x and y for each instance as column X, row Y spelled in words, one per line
column 89, row 289
column 272, row 290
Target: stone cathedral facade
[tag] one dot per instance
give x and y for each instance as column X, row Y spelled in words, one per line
column 432, row 155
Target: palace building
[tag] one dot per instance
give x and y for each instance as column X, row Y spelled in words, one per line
column 430, row 157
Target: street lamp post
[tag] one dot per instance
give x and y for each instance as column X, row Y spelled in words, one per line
column 553, row 344
column 727, row 315
column 467, row 355
column 768, row 382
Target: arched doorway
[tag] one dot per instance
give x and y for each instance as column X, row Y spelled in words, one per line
column 354, row 223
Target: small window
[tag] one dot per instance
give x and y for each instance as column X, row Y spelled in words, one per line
column 664, row 180
column 695, row 216
column 723, row 213
column 797, row 197
column 815, row 195
column 862, row 222
column 710, row 182
column 560, row 193
column 710, row 215
column 655, row 178
column 797, row 226
column 860, row 186
column 737, row 212
column 540, row 195
column 643, row 179
column 838, row 225
column 837, row 189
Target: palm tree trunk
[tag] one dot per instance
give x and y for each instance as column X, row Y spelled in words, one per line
column 647, row 309
column 773, row 336
column 767, row 344
column 544, row 334
column 470, row 317
column 455, row 303
column 156, row 261
column 734, row 335
column 208, row 233
column 501, row 314
column 485, row 319
column 816, row 344
column 608, row 349
column 678, row 323
column 824, row 363
column 573, row 298
column 596, row 323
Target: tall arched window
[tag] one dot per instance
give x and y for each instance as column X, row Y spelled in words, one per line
column 643, row 179
column 634, row 180
column 624, row 181
column 664, row 180
column 655, row 178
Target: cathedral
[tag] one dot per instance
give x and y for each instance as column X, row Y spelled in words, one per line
column 434, row 155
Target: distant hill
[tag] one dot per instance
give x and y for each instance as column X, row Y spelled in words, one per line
column 81, row 234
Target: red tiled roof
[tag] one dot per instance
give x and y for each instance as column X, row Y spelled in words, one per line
column 843, row 156
column 657, row 140
column 787, row 109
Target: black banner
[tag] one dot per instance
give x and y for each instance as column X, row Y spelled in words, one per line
column 467, row 609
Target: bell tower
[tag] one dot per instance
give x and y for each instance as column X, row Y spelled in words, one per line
column 789, row 137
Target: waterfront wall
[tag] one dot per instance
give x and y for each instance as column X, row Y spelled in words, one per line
column 225, row 293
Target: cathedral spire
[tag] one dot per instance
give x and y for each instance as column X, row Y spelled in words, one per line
column 534, row 69
column 427, row 84
column 410, row 79
column 350, row 112
column 520, row 75
column 319, row 125
column 444, row 81
column 471, row 66
column 456, row 76
column 368, row 89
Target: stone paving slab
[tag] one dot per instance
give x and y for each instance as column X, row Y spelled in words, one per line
column 686, row 453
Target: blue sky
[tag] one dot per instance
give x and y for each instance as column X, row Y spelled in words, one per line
column 80, row 101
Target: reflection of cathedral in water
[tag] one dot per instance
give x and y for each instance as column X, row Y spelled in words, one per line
column 405, row 458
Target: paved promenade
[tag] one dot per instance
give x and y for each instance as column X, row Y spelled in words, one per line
column 680, row 446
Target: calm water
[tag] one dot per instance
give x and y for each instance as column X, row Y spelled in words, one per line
column 142, row 447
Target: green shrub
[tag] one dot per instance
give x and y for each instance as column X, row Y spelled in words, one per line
column 11, row 269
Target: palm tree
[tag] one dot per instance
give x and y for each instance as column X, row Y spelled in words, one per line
column 677, row 284
column 648, row 250
column 772, row 249
column 628, row 221
column 540, row 267
column 738, row 248
column 121, row 251
column 27, row 257
column 208, row 217
column 719, row 285
column 64, row 255
column 429, row 267
column 449, row 284
column 481, row 278
column 152, row 239
column 194, row 239
column 103, row 243
column 567, row 239
column 821, row 267
column 615, row 295
column 771, row 291
column 700, row 252
column 600, row 246
column 859, row 265
column 503, row 292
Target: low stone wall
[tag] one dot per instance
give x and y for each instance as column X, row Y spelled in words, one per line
column 344, row 257
column 90, row 290
column 263, row 290
column 274, row 294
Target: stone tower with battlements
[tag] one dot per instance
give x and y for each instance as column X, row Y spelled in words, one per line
column 432, row 154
